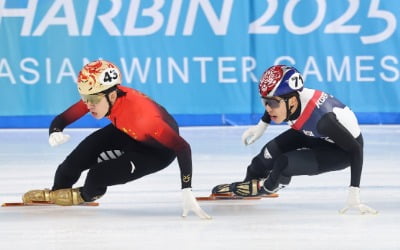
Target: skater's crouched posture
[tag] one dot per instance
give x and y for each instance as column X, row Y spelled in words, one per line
column 143, row 138
column 324, row 136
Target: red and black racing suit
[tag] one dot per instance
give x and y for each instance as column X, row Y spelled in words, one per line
column 142, row 138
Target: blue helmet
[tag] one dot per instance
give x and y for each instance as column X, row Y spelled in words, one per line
column 280, row 80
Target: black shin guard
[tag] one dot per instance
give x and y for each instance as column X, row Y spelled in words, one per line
column 65, row 176
column 272, row 181
column 262, row 164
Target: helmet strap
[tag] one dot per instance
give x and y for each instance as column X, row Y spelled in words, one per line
column 106, row 92
column 286, row 100
column 109, row 105
column 292, row 115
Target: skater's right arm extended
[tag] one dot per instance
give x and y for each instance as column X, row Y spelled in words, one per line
column 70, row 115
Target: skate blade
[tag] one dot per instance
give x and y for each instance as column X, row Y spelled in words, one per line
column 43, row 203
column 231, row 196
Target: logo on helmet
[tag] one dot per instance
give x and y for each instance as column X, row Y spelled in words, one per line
column 98, row 76
column 280, row 80
column 270, row 78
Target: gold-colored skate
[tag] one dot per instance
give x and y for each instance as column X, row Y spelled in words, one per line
column 63, row 197
column 66, row 197
column 37, row 195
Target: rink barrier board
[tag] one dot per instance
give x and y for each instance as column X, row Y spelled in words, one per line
column 183, row 120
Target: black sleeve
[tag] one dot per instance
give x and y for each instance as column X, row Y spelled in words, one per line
column 57, row 125
column 331, row 127
column 67, row 117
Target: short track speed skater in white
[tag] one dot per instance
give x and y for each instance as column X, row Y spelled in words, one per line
column 324, row 136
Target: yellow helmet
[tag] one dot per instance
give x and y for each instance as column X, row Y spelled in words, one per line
column 98, row 76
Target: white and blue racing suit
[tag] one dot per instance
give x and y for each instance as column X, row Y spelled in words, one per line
column 324, row 136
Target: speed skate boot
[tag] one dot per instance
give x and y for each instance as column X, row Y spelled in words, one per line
column 255, row 187
column 42, row 195
column 66, row 197
column 222, row 189
column 248, row 188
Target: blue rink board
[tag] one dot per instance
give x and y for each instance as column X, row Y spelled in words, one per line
column 183, row 120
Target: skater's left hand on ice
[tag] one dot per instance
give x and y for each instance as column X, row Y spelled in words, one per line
column 353, row 201
column 190, row 204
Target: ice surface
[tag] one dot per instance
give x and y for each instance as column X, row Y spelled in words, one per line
column 145, row 214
